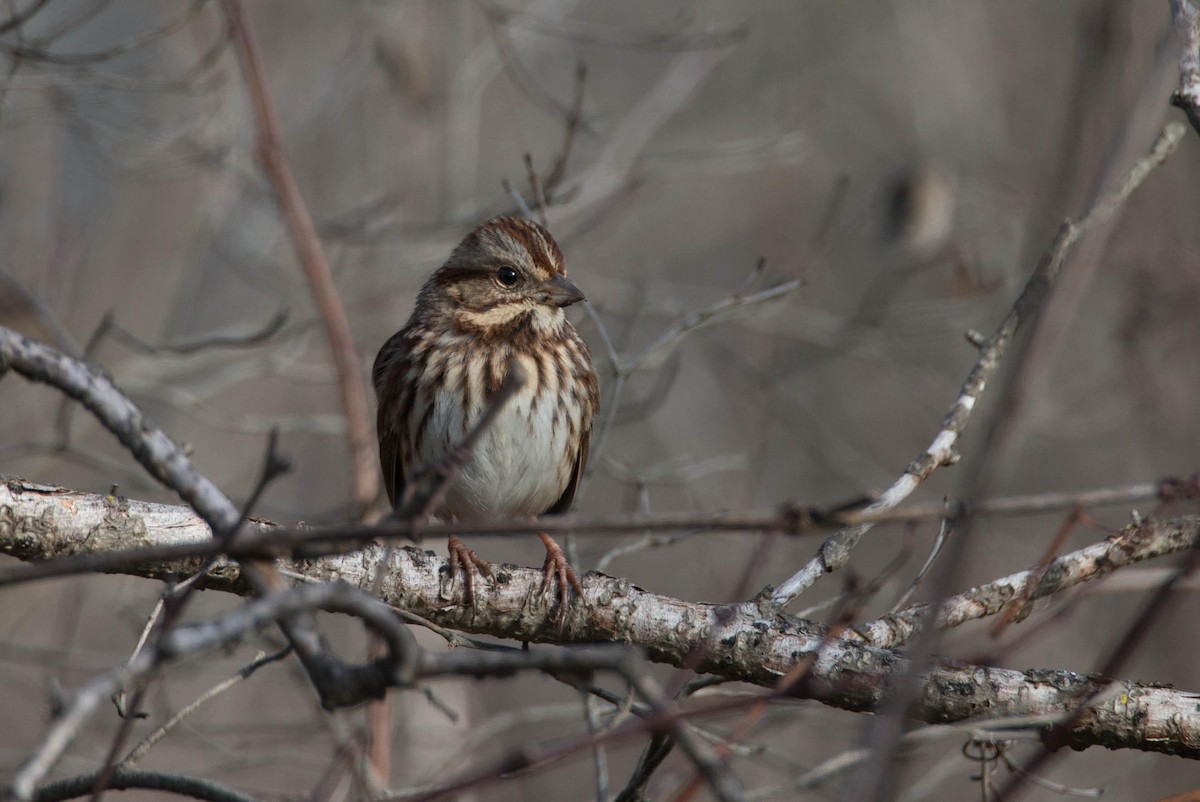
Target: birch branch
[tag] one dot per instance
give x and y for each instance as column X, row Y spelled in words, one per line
column 755, row 644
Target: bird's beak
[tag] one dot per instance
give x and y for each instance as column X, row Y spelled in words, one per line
column 559, row 291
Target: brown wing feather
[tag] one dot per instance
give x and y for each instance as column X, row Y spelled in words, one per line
column 388, row 372
column 393, row 472
column 591, row 385
column 564, row 501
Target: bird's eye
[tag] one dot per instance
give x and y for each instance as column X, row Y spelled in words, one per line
column 507, row 276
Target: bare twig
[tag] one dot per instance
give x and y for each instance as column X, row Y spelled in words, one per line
column 943, row 533
column 535, row 189
column 657, row 352
column 146, row 744
column 257, row 337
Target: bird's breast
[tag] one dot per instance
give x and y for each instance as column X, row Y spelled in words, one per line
column 522, row 462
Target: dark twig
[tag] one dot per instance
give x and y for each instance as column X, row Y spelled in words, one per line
column 422, row 496
column 128, row 779
column 19, row 19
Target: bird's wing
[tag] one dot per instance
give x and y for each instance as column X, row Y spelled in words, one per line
column 591, row 407
column 564, row 501
column 389, row 377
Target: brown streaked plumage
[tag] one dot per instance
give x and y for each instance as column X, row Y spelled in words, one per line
column 498, row 298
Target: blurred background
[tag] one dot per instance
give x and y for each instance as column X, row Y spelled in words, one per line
column 906, row 163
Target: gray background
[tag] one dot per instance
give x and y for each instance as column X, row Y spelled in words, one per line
column 130, row 185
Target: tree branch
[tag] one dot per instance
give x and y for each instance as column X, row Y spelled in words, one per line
column 835, row 551
column 756, row 645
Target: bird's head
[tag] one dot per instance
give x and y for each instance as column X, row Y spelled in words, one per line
column 506, row 272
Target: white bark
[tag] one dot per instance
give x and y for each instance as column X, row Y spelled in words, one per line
column 746, row 643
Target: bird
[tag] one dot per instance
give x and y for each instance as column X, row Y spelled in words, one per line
column 494, row 307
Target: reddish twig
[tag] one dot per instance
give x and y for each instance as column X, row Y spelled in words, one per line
column 312, row 258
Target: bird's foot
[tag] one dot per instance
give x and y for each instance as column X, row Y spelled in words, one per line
column 557, row 567
column 469, row 562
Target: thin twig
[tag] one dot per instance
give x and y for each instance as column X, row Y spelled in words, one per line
column 257, row 337
column 146, row 744
column 943, row 533
column 658, row 351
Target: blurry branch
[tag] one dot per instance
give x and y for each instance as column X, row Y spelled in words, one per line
column 570, row 130
column 171, row 392
column 678, row 37
column 757, row 645
column 109, row 325
column 574, row 196
column 38, row 53
column 835, row 551
column 312, row 259
column 654, row 355
column 658, row 351
column 1187, row 97
column 521, row 77
column 62, row 336
column 610, row 173
column 19, row 18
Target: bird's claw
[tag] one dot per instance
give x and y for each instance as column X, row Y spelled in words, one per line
column 470, row 562
column 557, row 567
